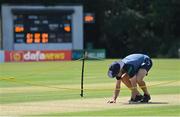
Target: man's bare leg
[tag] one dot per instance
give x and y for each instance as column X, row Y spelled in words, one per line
column 134, row 90
column 140, row 76
column 126, row 81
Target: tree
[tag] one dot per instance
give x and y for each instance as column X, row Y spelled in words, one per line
column 130, row 26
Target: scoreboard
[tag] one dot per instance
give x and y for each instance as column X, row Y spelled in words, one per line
column 42, row 26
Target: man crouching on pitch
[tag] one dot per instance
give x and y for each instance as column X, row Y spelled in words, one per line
column 131, row 71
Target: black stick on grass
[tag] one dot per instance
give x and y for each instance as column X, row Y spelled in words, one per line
column 82, row 74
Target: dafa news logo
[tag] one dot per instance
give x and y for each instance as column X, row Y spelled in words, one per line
column 25, row 56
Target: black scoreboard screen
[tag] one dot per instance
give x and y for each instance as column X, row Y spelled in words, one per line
column 42, row 26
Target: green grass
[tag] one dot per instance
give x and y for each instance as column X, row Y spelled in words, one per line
column 155, row 111
column 74, row 94
column 46, row 74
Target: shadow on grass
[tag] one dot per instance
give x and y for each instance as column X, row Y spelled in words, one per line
column 146, row 103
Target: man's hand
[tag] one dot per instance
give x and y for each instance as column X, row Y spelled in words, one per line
column 111, row 101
